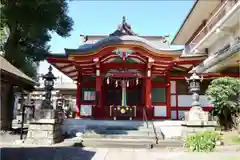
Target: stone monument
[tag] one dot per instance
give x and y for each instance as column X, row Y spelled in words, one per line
column 45, row 128
column 196, row 119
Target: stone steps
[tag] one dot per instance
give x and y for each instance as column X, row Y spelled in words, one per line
column 117, row 142
column 127, row 132
column 121, row 137
column 128, row 143
column 118, row 132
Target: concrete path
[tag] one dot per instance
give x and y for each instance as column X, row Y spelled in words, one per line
column 74, row 153
column 144, row 154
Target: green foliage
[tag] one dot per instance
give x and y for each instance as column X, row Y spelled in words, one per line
column 202, row 141
column 236, row 139
column 224, row 94
column 30, row 23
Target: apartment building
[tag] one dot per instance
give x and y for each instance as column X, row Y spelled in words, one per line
column 212, row 28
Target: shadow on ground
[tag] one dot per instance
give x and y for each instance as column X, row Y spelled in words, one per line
column 46, row 153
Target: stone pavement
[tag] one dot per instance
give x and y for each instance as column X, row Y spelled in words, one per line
column 64, row 151
column 145, row 154
column 75, row 153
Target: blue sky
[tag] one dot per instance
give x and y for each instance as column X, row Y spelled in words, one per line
column 102, row 18
column 147, row 18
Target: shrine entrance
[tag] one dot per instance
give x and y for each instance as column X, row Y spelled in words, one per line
column 124, row 94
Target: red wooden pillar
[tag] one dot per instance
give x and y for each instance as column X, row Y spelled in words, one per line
column 98, row 110
column 78, row 96
column 142, row 98
column 148, row 94
column 168, row 103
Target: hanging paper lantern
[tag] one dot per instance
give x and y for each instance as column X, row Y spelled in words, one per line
column 116, row 83
column 137, row 81
column 127, row 83
column 108, row 80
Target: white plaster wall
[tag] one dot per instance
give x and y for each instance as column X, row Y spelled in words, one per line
column 186, row 101
column 173, row 100
column 160, row 111
column 173, row 86
column 204, row 101
column 173, row 114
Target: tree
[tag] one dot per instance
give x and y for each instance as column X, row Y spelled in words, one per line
column 224, row 94
column 30, row 23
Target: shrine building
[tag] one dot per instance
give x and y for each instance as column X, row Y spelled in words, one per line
column 127, row 76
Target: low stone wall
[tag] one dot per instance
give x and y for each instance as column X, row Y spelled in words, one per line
column 45, row 132
column 171, row 129
column 193, row 127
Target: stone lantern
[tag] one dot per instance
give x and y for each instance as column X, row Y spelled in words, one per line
column 194, row 87
column 196, row 112
column 46, row 128
column 196, row 120
column 48, row 85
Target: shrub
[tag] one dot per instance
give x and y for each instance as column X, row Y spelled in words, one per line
column 202, row 141
column 224, row 95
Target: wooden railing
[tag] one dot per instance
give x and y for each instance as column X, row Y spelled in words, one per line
column 212, row 21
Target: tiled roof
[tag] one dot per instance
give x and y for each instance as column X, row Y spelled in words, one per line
column 8, row 67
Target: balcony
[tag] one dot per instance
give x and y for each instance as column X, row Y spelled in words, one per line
column 230, row 50
column 212, row 23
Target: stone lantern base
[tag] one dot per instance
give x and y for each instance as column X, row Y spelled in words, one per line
column 196, row 120
column 45, row 130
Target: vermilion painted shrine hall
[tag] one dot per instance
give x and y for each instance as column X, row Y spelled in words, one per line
column 127, row 76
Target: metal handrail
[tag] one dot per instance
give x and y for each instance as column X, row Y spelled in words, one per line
column 145, row 118
column 154, row 129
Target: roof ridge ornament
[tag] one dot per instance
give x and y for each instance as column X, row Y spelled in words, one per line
column 123, row 29
column 85, row 38
column 123, row 20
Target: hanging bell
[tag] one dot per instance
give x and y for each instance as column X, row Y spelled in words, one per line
column 127, row 83
column 137, row 81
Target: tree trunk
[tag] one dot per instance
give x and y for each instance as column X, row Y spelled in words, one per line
column 11, row 45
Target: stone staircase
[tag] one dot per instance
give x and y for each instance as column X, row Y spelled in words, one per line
column 126, row 137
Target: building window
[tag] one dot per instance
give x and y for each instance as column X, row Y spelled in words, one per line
column 88, row 94
column 158, row 95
